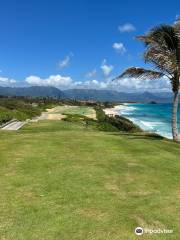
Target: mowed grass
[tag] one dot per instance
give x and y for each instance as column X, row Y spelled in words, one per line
column 61, row 181
column 81, row 110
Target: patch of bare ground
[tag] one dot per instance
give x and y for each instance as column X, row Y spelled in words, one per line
column 93, row 213
column 55, row 116
column 92, row 114
column 114, row 188
column 155, row 224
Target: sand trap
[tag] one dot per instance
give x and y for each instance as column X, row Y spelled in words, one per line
column 55, row 116
column 60, row 109
column 92, row 114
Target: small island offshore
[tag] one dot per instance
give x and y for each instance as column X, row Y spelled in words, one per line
column 89, row 120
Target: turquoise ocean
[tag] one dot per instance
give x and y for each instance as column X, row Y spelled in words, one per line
column 151, row 117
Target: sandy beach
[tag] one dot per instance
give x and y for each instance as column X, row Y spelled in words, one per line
column 115, row 110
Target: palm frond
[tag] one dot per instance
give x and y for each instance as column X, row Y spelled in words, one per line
column 145, row 38
column 141, row 73
column 163, row 47
column 163, row 34
column 162, row 59
column 177, row 32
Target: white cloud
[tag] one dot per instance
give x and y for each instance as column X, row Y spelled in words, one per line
column 177, row 19
column 127, row 27
column 66, row 61
column 107, row 69
column 91, row 74
column 126, row 85
column 91, row 84
column 132, row 84
column 4, row 81
column 66, row 82
column 94, row 84
column 53, row 80
column 119, row 47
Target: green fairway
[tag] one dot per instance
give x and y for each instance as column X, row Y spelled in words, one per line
column 62, row 181
column 82, row 110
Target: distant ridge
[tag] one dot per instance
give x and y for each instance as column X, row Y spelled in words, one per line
column 34, row 91
column 87, row 94
column 110, row 95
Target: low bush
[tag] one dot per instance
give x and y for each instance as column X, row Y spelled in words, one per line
column 117, row 122
column 5, row 115
column 100, row 115
column 106, row 127
column 74, row 118
column 19, row 109
column 104, row 122
column 123, row 124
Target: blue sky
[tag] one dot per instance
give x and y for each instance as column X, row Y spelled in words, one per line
column 68, row 43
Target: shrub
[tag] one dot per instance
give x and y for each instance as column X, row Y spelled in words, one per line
column 74, row 118
column 116, row 122
column 5, row 115
column 123, row 124
column 107, row 127
column 19, row 109
column 100, row 115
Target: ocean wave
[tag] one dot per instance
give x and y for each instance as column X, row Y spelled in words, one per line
column 127, row 110
column 151, row 124
column 121, row 110
column 152, row 127
column 165, row 134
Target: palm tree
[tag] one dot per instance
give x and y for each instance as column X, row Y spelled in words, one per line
column 162, row 49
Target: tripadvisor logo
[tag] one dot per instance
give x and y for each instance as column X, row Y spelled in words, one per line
column 139, row 231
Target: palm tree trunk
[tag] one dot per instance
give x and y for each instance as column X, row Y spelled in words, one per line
column 174, row 117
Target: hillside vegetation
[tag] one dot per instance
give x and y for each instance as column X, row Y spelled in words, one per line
column 22, row 108
column 12, row 108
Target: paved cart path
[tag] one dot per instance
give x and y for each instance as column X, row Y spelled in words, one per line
column 14, row 125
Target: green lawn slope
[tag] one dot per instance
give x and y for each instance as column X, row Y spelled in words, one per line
column 60, row 181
